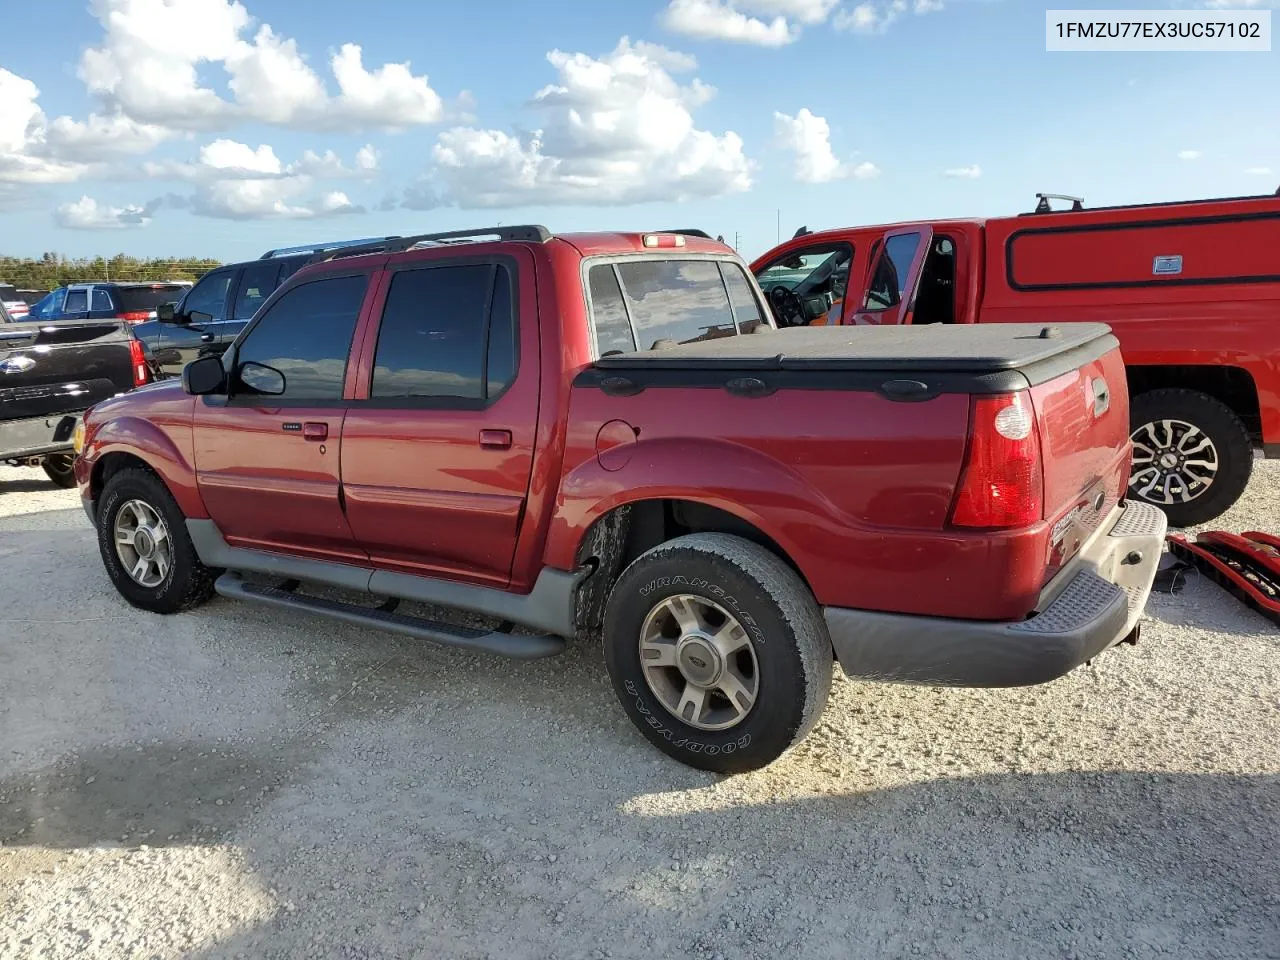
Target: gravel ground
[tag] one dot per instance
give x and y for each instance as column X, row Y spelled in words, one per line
column 236, row 783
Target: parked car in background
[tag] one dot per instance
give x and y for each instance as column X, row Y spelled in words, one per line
column 132, row 303
column 32, row 297
column 605, row 432
column 1192, row 291
column 207, row 318
column 49, row 373
column 16, row 307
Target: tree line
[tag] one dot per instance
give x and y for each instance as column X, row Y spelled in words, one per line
column 54, row 270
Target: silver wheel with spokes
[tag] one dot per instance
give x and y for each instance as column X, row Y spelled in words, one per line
column 699, row 662
column 142, row 543
column 1173, row 462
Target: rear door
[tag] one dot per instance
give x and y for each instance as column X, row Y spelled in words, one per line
column 268, row 465
column 893, row 277
column 438, row 447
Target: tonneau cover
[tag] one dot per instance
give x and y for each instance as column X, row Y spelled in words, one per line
column 971, row 349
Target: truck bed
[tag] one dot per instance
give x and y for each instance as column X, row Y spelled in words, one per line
column 993, row 359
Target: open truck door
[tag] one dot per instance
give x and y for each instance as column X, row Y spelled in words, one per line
column 889, row 288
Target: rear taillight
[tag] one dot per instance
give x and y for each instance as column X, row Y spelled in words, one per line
column 138, row 360
column 1002, row 483
column 135, row 316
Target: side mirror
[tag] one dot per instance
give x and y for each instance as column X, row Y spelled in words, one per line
column 203, row 376
column 258, row 378
column 164, row 312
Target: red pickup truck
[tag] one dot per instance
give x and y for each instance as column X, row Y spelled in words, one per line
column 1192, row 291
column 605, row 434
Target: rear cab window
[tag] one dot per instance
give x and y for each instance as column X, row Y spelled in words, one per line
column 635, row 303
column 138, row 299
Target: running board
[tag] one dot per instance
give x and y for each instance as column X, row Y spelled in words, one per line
column 516, row 646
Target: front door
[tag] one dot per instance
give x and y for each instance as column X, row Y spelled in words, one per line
column 888, row 295
column 204, row 308
column 437, row 448
column 268, row 454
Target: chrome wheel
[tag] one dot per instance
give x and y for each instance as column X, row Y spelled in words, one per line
column 699, row 662
column 142, row 543
column 1173, row 462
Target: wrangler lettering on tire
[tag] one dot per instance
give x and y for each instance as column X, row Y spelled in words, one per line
column 723, row 665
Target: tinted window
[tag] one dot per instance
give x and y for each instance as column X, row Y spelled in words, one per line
column 256, row 283
column 137, row 299
column 893, row 267
column 306, row 335
column 209, row 296
column 8, row 292
column 432, row 339
column 680, row 300
column 745, row 306
column 77, row 301
column 608, row 314
column 100, row 300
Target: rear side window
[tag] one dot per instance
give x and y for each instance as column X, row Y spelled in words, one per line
column 100, row 300
column 256, row 284
column 447, row 333
column 137, row 299
column 306, row 335
column 608, row 312
column 680, row 300
column 746, row 308
column 77, row 301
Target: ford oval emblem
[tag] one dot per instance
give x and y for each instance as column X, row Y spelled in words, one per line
column 16, row 365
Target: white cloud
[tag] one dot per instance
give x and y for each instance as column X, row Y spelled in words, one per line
column 24, row 151
column 717, row 20
column 148, row 66
column 808, row 136
column 268, row 199
column 1189, row 154
column 765, row 23
column 226, row 159
column 87, row 214
column 1258, row 171
column 971, row 172
column 617, row 129
column 876, row 16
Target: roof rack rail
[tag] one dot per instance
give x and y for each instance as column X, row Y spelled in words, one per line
column 1042, row 202
column 528, row 233
column 319, row 247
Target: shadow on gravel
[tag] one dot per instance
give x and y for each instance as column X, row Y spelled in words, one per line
column 25, row 486
column 1065, row 865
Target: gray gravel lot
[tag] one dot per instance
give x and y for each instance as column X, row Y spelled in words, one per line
column 233, row 782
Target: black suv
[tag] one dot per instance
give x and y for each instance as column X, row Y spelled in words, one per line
column 208, row 317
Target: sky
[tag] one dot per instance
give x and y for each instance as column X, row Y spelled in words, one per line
column 222, row 128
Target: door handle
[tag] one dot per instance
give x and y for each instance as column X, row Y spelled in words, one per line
column 495, row 439
column 207, row 337
column 315, row 432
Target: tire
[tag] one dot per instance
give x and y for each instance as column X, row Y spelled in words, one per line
column 59, row 468
column 1168, row 423
column 784, row 667
column 185, row 582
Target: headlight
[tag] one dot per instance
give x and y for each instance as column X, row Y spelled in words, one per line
column 77, row 437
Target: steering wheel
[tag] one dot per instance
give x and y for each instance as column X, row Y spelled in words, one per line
column 788, row 308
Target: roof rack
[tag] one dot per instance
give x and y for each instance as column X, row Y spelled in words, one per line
column 1042, row 202
column 527, row 233
column 318, row 247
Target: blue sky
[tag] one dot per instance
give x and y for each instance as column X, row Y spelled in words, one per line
column 153, row 131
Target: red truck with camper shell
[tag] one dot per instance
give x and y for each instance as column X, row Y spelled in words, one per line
column 604, row 435
column 1191, row 290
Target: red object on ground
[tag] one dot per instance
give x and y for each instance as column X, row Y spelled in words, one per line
column 1247, row 565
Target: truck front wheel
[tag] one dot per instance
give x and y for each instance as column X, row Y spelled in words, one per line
column 718, row 652
column 1191, row 454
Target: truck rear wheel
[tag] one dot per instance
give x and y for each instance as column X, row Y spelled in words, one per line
column 142, row 536
column 718, row 652
column 1191, row 454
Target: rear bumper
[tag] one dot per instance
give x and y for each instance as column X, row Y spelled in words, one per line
column 36, row 436
column 1092, row 604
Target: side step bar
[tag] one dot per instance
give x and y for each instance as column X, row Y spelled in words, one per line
column 516, row 646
